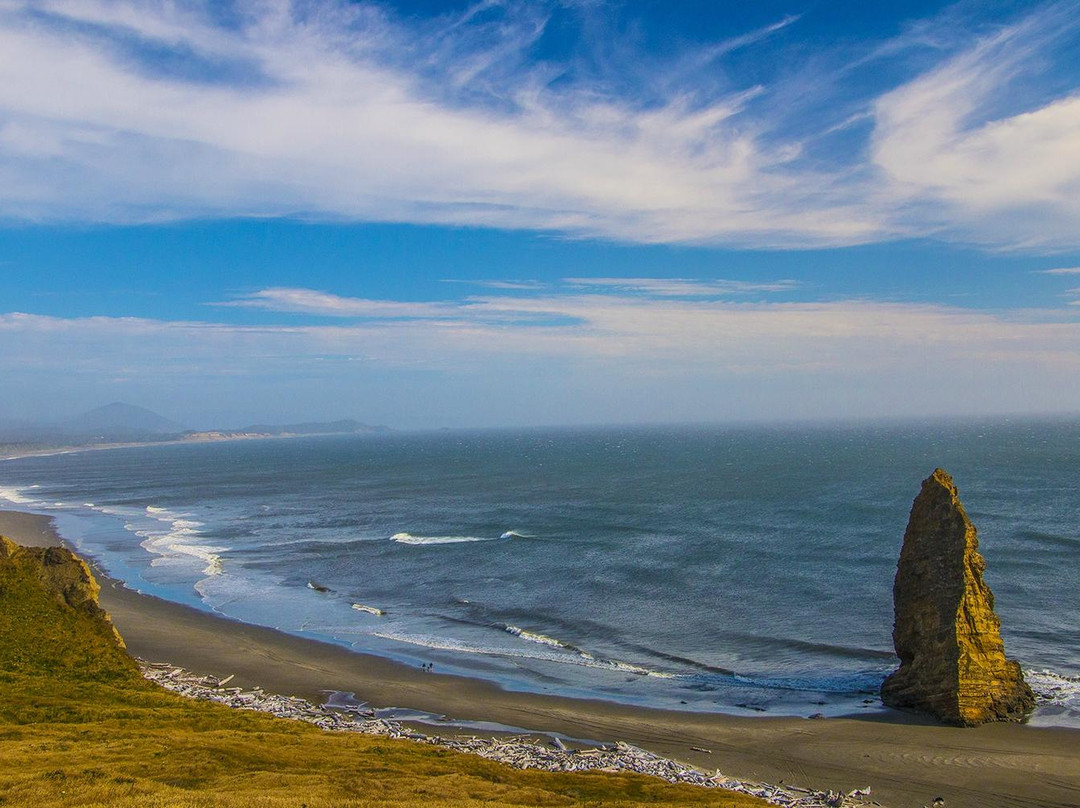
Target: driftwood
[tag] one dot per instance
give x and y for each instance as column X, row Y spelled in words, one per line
column 518, row 751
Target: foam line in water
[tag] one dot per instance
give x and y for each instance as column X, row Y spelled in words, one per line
column 179, row 542
column 118, row 510
column 17, row 495
column 533, row 636
column 175, row 544
column 557, row 655
column 856, row 683
column 409, row 538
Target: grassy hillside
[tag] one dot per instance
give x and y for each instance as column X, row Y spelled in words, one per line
column 80, row 727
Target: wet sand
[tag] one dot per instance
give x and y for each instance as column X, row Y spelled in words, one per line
column 906, row 761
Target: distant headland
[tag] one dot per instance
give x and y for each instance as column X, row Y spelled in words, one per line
column 121, row 424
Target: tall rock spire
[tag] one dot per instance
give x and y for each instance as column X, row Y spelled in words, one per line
column 952, row 658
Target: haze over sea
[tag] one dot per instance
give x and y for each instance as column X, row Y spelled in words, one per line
column 734, row 569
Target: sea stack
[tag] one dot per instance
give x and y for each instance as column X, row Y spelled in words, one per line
column 952, row 658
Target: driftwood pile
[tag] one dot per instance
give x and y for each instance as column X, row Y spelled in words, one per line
column 520, row 752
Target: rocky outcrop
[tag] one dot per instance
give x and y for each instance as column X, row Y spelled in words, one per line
column 61, row 573
column 948, row 638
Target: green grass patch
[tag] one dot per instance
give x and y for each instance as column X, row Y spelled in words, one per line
column 80, row 727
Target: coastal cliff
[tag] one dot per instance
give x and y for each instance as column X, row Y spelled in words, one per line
column 85, row 728
column 952, row 658
column 61, row 572
column 50, row 619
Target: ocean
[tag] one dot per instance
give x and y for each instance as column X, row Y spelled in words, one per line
column 742, row 569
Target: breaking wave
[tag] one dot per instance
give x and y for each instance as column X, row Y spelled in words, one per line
column 178, row 543
column 541, row 639
column 558, row 654
column 1054, row 689
column 18, row 495
column 409, row 538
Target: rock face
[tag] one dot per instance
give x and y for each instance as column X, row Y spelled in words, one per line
column 60, row 572
column 952, row 658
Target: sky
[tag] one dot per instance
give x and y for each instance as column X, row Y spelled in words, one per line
column 465, row 214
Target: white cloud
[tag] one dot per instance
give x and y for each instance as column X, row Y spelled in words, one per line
column 336, row 111
column 324, row 304
column 1061, row 271
column 572, row 357
column 500, row 284
column 331, row 125
column 492, row 309
column 311, row 301
column 967, row 155
column 683, row 287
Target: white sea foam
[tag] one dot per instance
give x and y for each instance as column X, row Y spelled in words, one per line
column 176, row 542
column 126, row 511
column 561, row 654
column 254, row 598
column 179, row 543
column 17, row 495
column 1053, row 688
column 408, row 538
column 532, row 636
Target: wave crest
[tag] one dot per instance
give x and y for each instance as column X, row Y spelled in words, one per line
column 1053, row 688
column 536, row 637
column 17, row 495
column 179, row 542
column 409, row 538
column 559, row 652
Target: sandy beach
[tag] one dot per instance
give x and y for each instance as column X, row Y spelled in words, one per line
column 907, row 762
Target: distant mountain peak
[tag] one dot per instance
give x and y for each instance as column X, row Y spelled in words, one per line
column 122, row 420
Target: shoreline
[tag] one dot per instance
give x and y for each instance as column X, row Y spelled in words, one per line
column 516, row 748
column 53, row 451
column 905, row 760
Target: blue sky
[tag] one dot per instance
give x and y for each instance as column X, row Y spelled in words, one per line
column 580, row 211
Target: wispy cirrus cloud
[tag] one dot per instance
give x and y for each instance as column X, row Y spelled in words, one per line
column 492, row 310
column 1066, row 272
column 325, row 304
column 525, row 285
column 683, row 287
column 137, row 110
column 332, row 117
column 968, row 149
column 295, row 300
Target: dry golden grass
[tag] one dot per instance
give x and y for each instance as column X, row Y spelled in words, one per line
column 80, row 727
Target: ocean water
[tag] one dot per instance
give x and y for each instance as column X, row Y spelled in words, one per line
column 740, row 570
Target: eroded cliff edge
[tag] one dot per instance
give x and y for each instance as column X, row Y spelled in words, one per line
column 50, row 619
